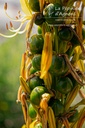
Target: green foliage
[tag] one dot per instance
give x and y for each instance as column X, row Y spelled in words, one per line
column 10, row 60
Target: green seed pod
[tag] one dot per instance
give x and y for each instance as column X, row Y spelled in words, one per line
column 36, row 44
column 35, row 81
column 74, row 117
column 36, row 62
column 51, row 13
column 32, row 70
column 36, row 94
column 75, row 41
column 39, row 19
column 31, row 111
column 58, row 65
column 39, row 30
column 57, row 106
column 65, row 34
column 64, row 85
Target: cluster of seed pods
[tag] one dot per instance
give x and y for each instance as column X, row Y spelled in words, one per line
column 52, row 68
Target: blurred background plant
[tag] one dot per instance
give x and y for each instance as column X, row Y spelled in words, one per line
column 10, row 57
column 11, row 51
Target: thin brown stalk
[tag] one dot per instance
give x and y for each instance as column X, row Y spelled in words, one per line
column 82, row 94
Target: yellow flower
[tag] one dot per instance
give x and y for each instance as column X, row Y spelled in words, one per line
column 24, row 19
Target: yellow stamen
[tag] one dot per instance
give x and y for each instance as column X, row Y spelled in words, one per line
column 24, row 18
column 8, row 36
